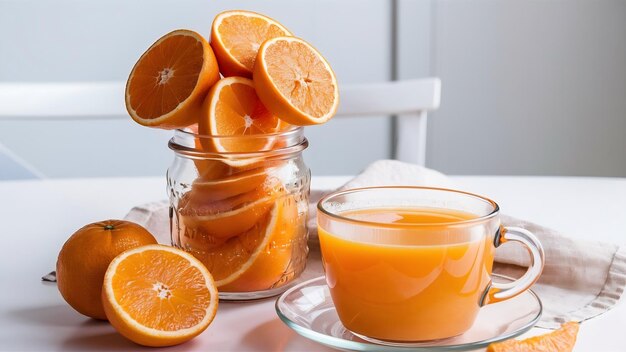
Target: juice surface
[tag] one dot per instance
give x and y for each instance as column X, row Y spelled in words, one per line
column 408, row 283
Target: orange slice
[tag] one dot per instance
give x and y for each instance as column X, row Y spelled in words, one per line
column 166, row 87
column 232, row 185
column 275, row 259
column 222, row 219
column 236, row 37
column 295, row 82
column 263, row 252
column 233, row 109
column 562, row 340
column 157, row 295
column 207, row 168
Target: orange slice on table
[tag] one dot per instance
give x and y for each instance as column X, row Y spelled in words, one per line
column 236, row 37
column 295, row 82
column 168, row 84
column 157, row 295
column 561, row 340
column 258, row 258
column 233, row 109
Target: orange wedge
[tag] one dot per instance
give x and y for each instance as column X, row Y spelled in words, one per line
column 561, row 340
column 157, row 295
column 166, row 87
column 295, row 82
column 233, row 109
column 257, row 258
column 236, row 37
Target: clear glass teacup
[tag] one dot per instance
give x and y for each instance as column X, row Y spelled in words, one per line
column 409, row 264
column 242, row 212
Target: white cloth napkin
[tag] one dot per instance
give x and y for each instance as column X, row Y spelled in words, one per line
column 581, row 279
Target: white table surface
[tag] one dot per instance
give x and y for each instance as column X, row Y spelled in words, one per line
column 38, row 216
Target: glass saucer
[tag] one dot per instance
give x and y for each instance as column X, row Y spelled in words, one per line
column 308, row 309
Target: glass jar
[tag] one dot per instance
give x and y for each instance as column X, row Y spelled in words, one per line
column 239, row 204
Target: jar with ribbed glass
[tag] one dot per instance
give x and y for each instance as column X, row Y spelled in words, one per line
column 239, row 204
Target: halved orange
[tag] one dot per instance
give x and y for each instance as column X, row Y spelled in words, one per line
column 167, row 85
column 236, row 37
column 295, row 82
column 158, row 295
column 233, row 109
column 262, row 253
column 561, row 340
column 222, row 219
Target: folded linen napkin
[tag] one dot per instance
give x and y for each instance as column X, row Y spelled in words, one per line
column 581, row 279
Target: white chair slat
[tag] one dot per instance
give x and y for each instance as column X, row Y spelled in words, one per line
column 62, row 101
column 410, row 100
column 390, row 98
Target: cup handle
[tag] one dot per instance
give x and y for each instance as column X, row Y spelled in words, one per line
column 497, row 292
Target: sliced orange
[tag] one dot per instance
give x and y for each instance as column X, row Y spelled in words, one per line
column 276, row 261
column 157, row 295
column 262, row 253
column 236, row 37
column 232, row 185
column 295, row 82
column 233, row 109
column 207, row 168
column 222, row 219
column 561, row 340
column 167, row 85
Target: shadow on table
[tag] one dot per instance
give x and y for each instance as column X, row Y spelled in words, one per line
column 88, row 334
column 274, row 335
column 56, row 315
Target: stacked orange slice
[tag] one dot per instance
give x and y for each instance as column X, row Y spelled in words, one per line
column 168, row 84
column 236, row 37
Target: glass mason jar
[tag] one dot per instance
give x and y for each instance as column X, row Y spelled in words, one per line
column 239, row 204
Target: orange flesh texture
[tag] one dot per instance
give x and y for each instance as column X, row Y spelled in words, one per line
column 301, row 76
column 232, row 185
column 295, row 82
column 225, row 218
column 561, row 340
column 274, row 258
column 166, row 76
column 241, row 36
column 237, row 112
column 161, row 290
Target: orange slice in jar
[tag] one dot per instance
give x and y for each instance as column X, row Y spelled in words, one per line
column 169, row 82
column 234, row 114
column 256, row 259
column 158, row 295
column 295, row 82
column 277, row 259
column 219, row 220
column 232, row 185
column 236, row 37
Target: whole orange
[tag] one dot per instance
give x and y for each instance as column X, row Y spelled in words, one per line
column 85, row 257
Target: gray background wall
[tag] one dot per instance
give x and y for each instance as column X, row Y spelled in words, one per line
column 529, row 87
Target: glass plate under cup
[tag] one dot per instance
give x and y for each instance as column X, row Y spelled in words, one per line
column 308, row 309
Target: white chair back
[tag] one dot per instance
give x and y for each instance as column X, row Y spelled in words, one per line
column 410, row 100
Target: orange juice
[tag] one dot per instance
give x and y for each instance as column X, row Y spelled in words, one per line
column 410, row 274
